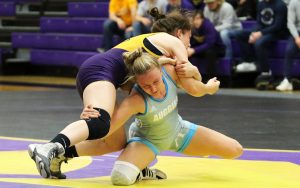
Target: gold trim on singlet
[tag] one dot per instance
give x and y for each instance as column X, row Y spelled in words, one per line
column 140, row 42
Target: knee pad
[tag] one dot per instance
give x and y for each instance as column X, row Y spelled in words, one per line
column 98, row 127
column 124, row 173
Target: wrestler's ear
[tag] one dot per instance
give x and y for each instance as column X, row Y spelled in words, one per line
column 179, row 33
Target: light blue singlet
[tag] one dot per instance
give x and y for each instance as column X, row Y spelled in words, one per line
column 160, row 127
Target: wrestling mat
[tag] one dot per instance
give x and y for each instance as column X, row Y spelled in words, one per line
column 256, row 168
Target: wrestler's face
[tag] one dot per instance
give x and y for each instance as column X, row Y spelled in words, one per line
column 152, row 83
column 185, row 37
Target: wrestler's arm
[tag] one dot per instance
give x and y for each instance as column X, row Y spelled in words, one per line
column 174, row 48
column 171, row 46
column 130, row 106
column 192, row 86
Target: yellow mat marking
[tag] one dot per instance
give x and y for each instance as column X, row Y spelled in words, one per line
column 19, row 162
column 182, row 172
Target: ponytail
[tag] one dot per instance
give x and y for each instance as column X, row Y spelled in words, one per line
column 171, row 22
column 138, row 62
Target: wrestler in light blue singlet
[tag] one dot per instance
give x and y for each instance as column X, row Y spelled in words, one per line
column 160, row 127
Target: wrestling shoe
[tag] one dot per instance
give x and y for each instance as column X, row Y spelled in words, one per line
column 48, row 158
column 55, row 167
column 151, row 174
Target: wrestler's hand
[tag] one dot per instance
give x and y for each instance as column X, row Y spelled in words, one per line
column 187, row 70
column 166, row 60
column 212, row 86
column 89, row 112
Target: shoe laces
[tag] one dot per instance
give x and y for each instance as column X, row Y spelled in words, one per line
column 49, row 150
column 56, row 162
column 147, row 174
column 57, row 158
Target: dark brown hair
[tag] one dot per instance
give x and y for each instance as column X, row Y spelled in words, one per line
column 171, row 22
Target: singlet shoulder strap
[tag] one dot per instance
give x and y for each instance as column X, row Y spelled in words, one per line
column 151, row 49
column 168, row 76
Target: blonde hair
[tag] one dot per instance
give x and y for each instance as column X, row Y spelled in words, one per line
column 138, row 62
